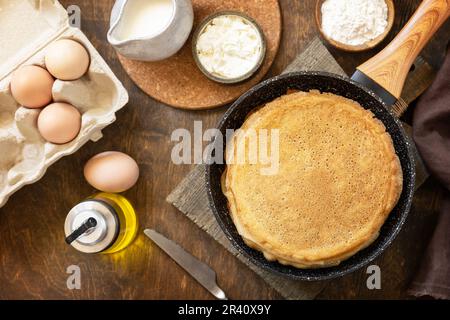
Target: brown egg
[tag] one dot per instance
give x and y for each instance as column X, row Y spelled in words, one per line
column 31, row 86
column 59, row 123
column 67, row 59
column 111, row 171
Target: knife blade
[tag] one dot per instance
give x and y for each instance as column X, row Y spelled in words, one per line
column 196, row 268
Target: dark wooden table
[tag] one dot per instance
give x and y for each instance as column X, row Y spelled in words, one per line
column 34, row 258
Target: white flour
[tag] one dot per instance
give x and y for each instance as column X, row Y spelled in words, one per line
column 354, row 22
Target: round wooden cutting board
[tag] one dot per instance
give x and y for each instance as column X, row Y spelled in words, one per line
column 178, row 82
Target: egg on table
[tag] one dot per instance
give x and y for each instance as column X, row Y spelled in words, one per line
column 31, row 86
column 59, row 123
column 67, row 59
column 111, row 171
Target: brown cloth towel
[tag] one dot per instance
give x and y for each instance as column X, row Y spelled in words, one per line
column 431, row 125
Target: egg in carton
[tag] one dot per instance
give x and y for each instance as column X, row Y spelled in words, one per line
column 27, row 28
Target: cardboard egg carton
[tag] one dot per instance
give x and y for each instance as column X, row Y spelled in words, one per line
column 27, row 27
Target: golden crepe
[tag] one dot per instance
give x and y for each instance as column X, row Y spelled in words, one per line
column 338, row 179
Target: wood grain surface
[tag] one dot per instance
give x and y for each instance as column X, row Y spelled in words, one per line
column 177, row 81
column 34, row 258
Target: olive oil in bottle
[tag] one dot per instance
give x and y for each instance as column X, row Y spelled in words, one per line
column 103, row 223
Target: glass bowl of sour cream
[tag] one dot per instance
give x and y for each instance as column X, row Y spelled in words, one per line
column 228, row 47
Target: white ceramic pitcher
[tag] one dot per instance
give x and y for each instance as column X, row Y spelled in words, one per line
column 156, row 47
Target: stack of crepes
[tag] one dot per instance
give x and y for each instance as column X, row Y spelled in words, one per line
column 338, row 179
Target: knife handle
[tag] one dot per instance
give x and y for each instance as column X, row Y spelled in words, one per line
column 390, row 67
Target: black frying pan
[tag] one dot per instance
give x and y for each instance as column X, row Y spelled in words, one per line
column 376, row 85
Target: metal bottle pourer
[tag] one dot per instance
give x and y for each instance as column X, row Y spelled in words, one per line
column 92, row 226
column 85, row 227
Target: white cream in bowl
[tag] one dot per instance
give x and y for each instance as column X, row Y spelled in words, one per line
column 229, row 46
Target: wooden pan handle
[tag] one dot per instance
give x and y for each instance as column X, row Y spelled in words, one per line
column 390, row 67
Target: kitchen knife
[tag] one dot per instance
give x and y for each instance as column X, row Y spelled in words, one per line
column 197, row 269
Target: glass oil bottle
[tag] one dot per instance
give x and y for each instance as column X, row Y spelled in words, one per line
column 103, row 223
